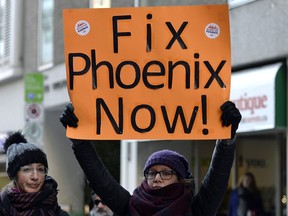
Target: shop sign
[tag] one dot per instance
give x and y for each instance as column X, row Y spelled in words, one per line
column 253, row 91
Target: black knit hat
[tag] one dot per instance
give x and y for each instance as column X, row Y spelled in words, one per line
column 172, row 159
column 21, row 153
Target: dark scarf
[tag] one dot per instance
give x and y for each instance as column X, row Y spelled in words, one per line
column 172, row 200
column 40, row 203
column 249, row 200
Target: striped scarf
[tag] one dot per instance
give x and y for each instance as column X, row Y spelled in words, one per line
column 172, row 200
column 40, row 203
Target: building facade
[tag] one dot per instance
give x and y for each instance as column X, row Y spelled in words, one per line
column 31, row 41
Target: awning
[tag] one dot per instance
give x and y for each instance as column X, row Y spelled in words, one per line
column 260, row 95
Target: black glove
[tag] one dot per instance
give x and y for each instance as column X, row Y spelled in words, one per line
column 68, row 117
column 230, row 116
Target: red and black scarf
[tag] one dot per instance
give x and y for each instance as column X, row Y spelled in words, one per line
column 172, row 200
column 40, row 203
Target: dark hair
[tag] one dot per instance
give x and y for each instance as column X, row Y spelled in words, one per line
column 253, row 186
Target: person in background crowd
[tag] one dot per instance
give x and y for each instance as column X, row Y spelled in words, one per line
column 246, row 199
column 98, row 207
column 31, row 191
column 167, row 188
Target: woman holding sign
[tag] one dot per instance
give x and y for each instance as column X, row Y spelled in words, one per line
column 168, row 185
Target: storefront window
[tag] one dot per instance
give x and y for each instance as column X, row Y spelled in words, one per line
column 45, row 40
column 100, row 3
column 162, row 2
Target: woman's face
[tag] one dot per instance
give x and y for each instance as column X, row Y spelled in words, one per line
column 155, row 180
column 247, row 180
column 30, row 178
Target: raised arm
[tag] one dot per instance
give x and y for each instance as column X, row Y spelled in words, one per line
column 215, row 183
column 99, row 178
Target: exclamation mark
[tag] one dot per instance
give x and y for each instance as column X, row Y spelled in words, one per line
column 204, row 113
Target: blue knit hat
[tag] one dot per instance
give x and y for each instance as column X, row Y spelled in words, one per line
column 169, row 158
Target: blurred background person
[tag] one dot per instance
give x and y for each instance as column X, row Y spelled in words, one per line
column 246, row 199
column 98, row 208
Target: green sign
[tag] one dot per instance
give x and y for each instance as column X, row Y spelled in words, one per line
column 34, row 88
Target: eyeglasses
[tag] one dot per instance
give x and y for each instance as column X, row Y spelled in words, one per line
column 164, row 174
column 28, row 170
column 96, row 202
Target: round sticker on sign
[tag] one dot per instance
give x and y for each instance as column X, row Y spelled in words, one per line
column 82, row 27
column 212, row 30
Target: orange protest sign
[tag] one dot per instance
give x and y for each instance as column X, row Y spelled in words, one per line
column 148, row 72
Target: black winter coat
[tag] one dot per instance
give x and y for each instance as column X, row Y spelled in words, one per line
column 205, row 203
column 43, row 204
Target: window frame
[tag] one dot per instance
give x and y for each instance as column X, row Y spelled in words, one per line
column 41, row 63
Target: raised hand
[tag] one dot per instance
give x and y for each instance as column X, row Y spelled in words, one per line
column 68, row 117
column 230, row 116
